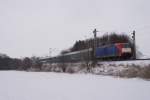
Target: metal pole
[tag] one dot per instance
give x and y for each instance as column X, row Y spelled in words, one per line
column 134, row 44
column 95, row 44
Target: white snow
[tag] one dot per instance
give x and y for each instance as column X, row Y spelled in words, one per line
column 17, row 85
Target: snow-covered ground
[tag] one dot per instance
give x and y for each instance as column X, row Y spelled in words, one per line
column 17, row 85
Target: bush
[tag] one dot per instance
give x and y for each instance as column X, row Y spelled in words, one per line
column 145, row 72
column 130, row 73
column 136, row 71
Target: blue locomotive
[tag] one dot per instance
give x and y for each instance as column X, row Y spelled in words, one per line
column 115, row 51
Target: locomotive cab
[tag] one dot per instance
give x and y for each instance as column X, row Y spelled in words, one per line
column 124, row 50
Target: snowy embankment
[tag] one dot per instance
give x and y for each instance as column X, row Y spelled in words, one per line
column 17, row 85
column 124, row 68
column 130, row 69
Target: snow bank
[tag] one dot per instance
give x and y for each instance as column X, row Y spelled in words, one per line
column 128, row 69
column 17, row 85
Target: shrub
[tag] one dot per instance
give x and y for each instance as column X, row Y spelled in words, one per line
column 145, row 72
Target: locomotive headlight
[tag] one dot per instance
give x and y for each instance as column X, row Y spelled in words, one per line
column 126, row 50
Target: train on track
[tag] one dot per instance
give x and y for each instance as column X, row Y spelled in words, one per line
column 116, row 51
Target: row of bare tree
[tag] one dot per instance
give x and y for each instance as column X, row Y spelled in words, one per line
column 8, row 63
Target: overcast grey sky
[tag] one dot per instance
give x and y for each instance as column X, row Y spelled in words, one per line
column 31, row 27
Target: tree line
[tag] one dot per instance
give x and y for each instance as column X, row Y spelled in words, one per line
column 8, row 63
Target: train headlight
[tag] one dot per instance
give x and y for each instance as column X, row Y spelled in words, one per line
column 126, row 50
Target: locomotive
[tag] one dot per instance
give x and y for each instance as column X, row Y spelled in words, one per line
column 116, row 51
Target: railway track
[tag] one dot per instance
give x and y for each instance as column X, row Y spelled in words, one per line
column 146, row 59
column 140, row 62
column 143, row 59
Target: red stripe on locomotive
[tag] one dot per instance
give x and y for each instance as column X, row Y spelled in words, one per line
column 119, row 47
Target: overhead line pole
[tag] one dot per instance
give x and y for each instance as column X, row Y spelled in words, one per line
column 95, row 44
column 134, row 45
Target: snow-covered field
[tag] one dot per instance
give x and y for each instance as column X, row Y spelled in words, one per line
column 17, row 85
